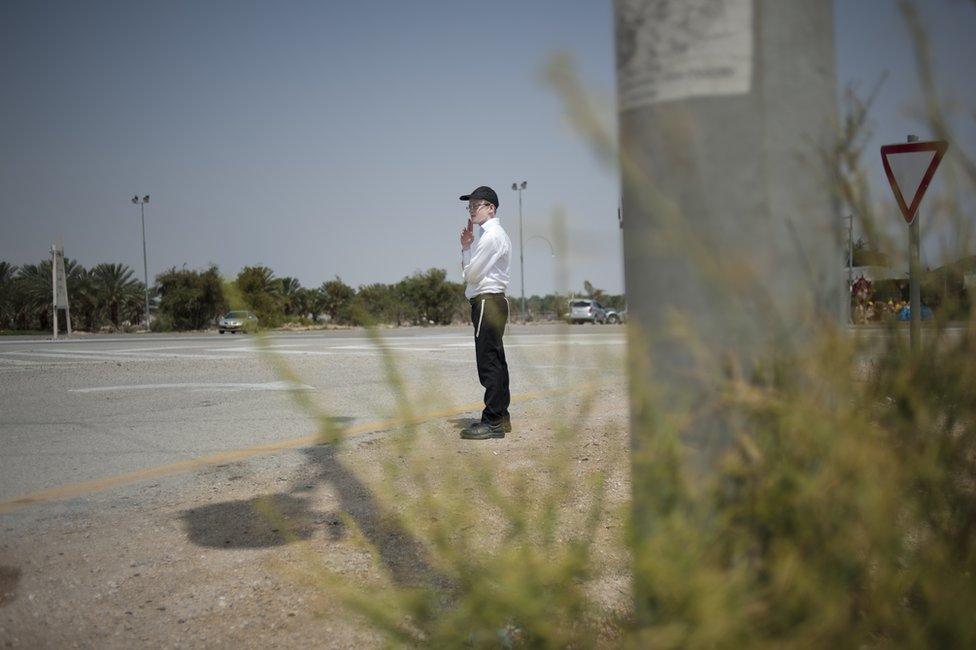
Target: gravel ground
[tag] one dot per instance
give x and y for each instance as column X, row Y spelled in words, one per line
column 223, row 554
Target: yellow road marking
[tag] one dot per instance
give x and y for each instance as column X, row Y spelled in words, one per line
column 65, row 492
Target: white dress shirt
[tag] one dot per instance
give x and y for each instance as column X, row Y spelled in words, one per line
column 486, row 268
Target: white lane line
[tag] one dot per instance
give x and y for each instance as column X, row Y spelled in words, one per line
column 39, row 363
column 89, row 355
column 314, row 353
column 360, row 339
column 77, row 355
column 535, row 344
column 573, row 344
column 293, row 340
column 375, row 348
column 197, row 387
column 216, row 338
column 145, row 356
column 21, row 362
column 284, row 349
column 90, row 339
column 516, row 365
column 161, row 347
column 173, row 355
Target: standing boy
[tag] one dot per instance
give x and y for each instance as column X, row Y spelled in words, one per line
column 486, row 273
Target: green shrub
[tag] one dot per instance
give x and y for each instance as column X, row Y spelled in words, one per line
column 161, row 323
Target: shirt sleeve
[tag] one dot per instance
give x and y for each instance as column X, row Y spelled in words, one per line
column 475, row 266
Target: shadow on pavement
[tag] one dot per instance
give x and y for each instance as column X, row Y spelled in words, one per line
column 279, row 519
column 405, row 557
column 261, row 522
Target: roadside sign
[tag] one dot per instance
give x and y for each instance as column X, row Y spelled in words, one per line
column 59, row 289
column 910, row 168
column 60, row 280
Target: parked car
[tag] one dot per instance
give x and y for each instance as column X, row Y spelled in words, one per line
column 586, row 310
column 237, row 321
column 615, row 316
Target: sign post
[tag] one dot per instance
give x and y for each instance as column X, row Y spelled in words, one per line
column 910, row 168
column 59, row 287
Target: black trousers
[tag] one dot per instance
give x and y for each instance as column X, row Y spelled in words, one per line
column 489, row 314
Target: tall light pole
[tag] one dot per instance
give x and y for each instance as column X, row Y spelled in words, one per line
column 145, row 265
column 518, row 187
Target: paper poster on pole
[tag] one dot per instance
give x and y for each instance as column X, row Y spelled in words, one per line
column 669, row 50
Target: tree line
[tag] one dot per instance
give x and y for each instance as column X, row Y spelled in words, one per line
column 108, row 296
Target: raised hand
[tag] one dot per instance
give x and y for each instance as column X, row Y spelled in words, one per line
column 467, row 236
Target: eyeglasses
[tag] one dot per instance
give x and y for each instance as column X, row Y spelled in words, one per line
column 473, row 207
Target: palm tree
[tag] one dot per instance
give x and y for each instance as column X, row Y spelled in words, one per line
column 289, row 289
column 134, row 307
column 33, row 295
column 84, row 298
column 304, row 303
column 114, row 285
column 592, row 292
column 7, row 272
column 30, row 292
column 257, row 280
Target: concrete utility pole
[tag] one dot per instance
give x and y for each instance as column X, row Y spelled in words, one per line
column 730, row 225
column 145, row 265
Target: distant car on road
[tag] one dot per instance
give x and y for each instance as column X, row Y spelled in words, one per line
column 237, row 321
column 586, row 310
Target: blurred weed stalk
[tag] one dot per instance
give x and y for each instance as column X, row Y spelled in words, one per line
column 494, row 556
column 787, row 490
column 789, row 487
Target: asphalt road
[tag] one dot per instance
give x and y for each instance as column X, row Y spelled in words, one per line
column 82, row 415
column 97, row 413
column 154, row 488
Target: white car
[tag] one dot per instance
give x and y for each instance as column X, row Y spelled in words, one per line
column 237, row 321
column 586, row 310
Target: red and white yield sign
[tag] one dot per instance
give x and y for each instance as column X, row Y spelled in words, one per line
column 910, row 168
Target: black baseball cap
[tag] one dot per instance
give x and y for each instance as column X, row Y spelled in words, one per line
column 483, row 192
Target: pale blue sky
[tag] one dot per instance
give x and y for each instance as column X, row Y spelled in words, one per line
column 327, row 139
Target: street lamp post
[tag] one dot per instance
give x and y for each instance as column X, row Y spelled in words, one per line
column 518, row 187
column 145, row 265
